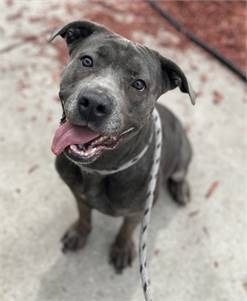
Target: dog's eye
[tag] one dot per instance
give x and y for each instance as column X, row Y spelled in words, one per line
column 139, row 84
column 87, row 61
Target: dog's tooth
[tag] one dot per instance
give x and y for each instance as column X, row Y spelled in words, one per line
column 73, row 147
column 103, row 138
column 113, row 138
column 97, row 141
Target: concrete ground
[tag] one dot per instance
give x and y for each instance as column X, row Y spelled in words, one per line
column 197, row 253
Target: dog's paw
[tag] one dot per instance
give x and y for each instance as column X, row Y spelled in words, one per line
column 73, row 240
column 122, row 256
column 179, row 191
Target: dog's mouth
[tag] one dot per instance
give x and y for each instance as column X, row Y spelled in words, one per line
column 81, row 142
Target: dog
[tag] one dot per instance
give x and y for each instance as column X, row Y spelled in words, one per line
column 108, row 91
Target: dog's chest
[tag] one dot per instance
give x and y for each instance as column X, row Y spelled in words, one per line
column 117, row 196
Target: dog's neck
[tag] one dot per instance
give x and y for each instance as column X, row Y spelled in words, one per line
column 126, row 155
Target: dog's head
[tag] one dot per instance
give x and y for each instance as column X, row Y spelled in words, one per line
column 108, row 90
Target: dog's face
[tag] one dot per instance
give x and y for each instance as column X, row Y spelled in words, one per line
column 108, row 90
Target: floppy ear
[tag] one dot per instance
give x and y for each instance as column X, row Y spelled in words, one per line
column 174, row 77
column 75, row 32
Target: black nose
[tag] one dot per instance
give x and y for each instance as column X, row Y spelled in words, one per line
column 94, row 107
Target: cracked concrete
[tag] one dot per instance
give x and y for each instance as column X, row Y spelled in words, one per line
column 197, row 253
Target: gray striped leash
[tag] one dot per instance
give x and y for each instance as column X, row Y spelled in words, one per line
column 148, row 208
column 149, row 200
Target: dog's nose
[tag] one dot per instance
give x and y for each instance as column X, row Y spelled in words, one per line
column 93, row 107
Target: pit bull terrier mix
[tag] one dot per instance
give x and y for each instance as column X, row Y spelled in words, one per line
column 108, row 92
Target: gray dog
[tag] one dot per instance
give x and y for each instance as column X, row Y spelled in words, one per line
column 108, row 92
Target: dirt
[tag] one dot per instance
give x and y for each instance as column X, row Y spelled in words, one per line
column 220, row 23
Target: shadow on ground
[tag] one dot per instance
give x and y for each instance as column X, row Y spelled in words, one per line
column 74, row 277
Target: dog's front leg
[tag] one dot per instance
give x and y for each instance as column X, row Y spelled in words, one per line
column 76, row 236
column 123, row 250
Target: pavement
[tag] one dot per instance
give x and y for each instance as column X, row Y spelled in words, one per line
column 197, row 253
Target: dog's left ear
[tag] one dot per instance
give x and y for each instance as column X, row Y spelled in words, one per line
column 74, row 32
column 174, row 77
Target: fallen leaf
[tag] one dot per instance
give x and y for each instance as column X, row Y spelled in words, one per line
column 204, row 78
column 21, row 109
column 211, row 189
column 199, row 93
column 216, row 264
column 33, row 168
column 217, row 97
column 193, row 213
column 33, row 118
column 205, row 230
column 245, row 286
column 49, row 118
column 18, row 190
column 156, row 252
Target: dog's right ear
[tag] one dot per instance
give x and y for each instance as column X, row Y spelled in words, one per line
column 75, row 32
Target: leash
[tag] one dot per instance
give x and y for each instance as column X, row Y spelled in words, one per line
column 148, row 208
column 145, row 279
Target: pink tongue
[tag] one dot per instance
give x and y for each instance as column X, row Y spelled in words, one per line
column 68, row 134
